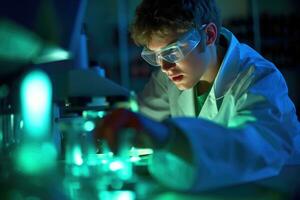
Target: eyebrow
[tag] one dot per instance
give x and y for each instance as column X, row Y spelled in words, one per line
column 168, row 45
column 173, row 42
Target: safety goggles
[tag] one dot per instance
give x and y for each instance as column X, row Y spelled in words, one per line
column 176, row 51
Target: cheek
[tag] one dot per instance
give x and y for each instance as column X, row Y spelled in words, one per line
column 201, row 60
column 194, row 63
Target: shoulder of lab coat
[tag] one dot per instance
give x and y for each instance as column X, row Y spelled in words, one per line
column 246, row 128
column 153, row 101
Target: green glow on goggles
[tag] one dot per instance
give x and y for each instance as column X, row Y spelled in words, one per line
column 174, row 52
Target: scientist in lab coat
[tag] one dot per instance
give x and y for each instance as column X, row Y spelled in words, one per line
column 216, row 112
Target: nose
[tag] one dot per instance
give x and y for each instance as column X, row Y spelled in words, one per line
column 166, row 66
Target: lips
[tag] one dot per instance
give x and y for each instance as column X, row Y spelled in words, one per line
column 176, row 78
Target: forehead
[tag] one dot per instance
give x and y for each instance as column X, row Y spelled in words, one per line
column 159, row 41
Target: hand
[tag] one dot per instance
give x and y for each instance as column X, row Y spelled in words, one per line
column 146, row 131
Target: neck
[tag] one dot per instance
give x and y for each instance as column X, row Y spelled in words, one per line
column 217, row 55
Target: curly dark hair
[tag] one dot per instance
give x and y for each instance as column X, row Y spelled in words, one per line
column 163, row 17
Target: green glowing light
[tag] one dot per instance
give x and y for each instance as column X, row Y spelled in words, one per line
column 133, row 102
column 135, row 159
column 117, row 195
column 85, row 171
column 116, row 165
column 122, row 168
column 75, row 171
column 134, row 106
column 140, row 151
column 80, row 171
column 101, row 114
column 89, row 126
column 105, row 158
column 36, row 158
column 92, row 159
column 93, row 114
column 51, row 54
column 12, row 121
column 21, row 124
column 78, row 159
column 36, row 99
column 104, row 155
column 104, row 161
column 77, row 156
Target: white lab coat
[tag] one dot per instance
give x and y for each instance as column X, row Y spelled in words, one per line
column 245, row 130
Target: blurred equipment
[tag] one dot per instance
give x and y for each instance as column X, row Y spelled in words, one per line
column 38, row 31
column 50, row 101
column 20, row 47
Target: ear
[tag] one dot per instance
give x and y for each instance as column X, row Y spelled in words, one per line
column 211, row 34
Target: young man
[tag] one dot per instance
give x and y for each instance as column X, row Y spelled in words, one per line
column 218, row 113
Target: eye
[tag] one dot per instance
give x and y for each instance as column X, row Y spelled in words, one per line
column 172, row 54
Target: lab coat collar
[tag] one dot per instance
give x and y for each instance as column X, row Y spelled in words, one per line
column 228, row 71
column 230, row 66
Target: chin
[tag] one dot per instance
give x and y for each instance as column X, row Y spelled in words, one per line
column 183, row 87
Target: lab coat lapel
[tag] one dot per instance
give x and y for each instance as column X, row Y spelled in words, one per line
column 186, row 102
column 210, row 108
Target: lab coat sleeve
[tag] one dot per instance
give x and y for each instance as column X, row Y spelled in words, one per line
column 153, row 100
column 255, row 146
